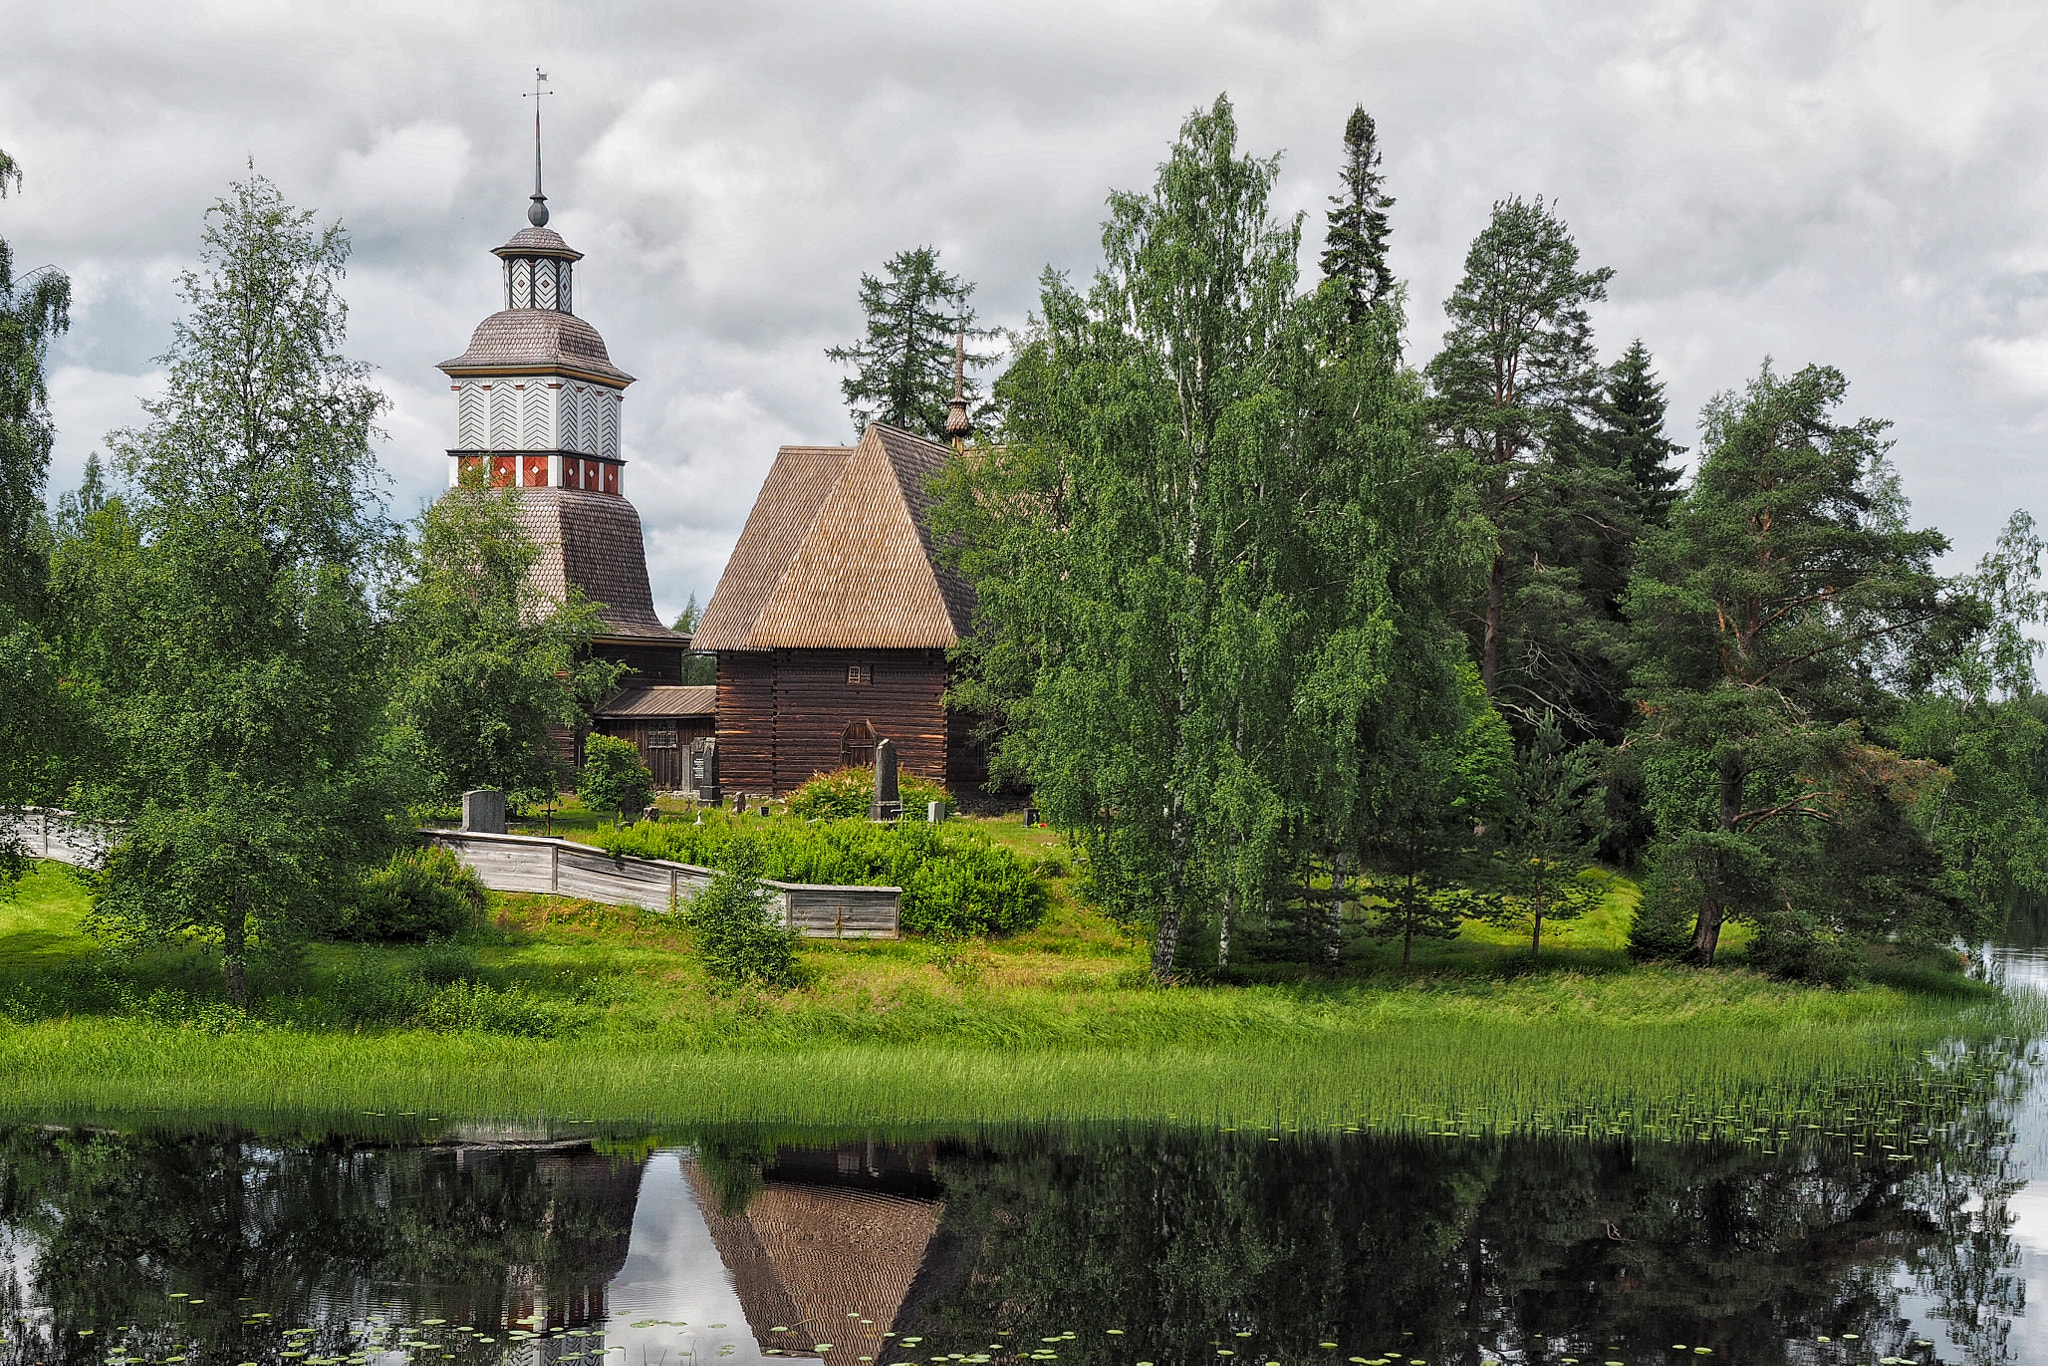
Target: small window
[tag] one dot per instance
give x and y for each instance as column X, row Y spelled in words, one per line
column 859, row 675
column 662, row 735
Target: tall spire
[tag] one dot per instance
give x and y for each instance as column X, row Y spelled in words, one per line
column 958, row 425
column 537, row 212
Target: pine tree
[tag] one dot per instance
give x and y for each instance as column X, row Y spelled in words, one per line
column 1631, row 436
column 1355, row 252
column 1514, row 388
column 1786, row 594
column 903, row 367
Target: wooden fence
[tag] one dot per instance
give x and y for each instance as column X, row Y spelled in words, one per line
column 529, row 863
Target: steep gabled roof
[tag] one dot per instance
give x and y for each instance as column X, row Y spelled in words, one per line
column 837, row 554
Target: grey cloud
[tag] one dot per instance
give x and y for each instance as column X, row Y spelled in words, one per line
column 1857, row 185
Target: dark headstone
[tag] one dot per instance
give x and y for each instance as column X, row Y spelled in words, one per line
column 483, row 812
column 888, row 803
column 704, row 770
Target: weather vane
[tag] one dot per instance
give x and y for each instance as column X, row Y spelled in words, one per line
column 537, row 214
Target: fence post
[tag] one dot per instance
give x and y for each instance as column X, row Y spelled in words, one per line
column 555, row 869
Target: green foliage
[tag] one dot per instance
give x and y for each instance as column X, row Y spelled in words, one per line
column 484, row 661
column 1555, row 819
column 34, row 308
column 903, row 367
column 954, row 879
column 1772, row 612
column 850, row 792
column 421, row 894
column 1211, row 557
column 1354, row 258
column 222, row 635
column 737, row 934
column 1512, row 388
column 1990, row 818
column 613, row 778
column 1630, row 437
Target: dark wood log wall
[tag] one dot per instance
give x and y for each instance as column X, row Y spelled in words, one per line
column 746, row 722
column 650, row 663
column 783, row 715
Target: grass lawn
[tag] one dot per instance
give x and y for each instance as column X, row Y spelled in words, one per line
column 569, row 1009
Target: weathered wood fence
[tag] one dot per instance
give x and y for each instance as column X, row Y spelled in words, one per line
column 530, row 863
column 59, row 835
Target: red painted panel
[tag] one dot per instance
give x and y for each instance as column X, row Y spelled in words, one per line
column 591, row 477
column 536, row 471
column 501, row 471
column 611, row 478
column 572, row 470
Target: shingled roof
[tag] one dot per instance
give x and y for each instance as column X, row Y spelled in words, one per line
column 528, row 340
column 593, row 541
column 837, row 554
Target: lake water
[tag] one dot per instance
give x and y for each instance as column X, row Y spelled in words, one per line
column 1167, row 1247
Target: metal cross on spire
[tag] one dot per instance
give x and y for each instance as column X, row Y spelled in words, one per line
column 537, row 212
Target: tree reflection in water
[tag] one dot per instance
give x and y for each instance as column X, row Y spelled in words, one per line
column 1191, row 1243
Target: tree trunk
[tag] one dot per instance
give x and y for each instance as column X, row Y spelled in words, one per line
column 1167, row 940
column 1223, row 931
column 234, row 946
column 1333, row 944
column 1706, row 931
column 1536, row 938
column 1496, row 597
column 1408, row 923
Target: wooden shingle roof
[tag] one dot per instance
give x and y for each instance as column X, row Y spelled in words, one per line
column 837, row 554
column 592, row 540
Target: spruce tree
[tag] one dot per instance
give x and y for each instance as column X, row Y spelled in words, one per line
column 903, row 366
column 1355, row 251
column 1631, row 436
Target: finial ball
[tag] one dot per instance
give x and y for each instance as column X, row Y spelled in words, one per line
column 537, row 212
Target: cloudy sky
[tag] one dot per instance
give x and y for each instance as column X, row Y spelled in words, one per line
column 1863, row 185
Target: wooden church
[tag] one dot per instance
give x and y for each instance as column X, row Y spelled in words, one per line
column 833, row 619
column 538, row 407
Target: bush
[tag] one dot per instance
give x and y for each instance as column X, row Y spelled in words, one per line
column 954, row 879
column 737, row 936
column 849, row 794
column 420, row 894
column 613, row 778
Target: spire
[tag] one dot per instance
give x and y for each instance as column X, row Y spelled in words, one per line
column 958, row 425
column 537, row 212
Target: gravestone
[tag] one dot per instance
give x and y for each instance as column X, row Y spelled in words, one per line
column 483, row 812
column 935, row 812
column 888, row 803
column 704, row 770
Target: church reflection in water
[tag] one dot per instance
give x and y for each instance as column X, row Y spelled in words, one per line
column 1168, row 1246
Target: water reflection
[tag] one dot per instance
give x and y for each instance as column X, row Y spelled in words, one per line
column 1108, row 1249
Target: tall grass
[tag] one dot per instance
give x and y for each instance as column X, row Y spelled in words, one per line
column 1393, row 1073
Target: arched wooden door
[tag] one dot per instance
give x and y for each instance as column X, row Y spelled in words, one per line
column 857, row 745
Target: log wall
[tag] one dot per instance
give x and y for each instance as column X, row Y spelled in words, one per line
column 783, row 715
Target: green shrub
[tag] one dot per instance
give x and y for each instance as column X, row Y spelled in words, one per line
column 613, row 778
column 954, row 879
column 513, row 1010
column 737, row 935
column 849, row 793
column 442, row 964
column 420, row 894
